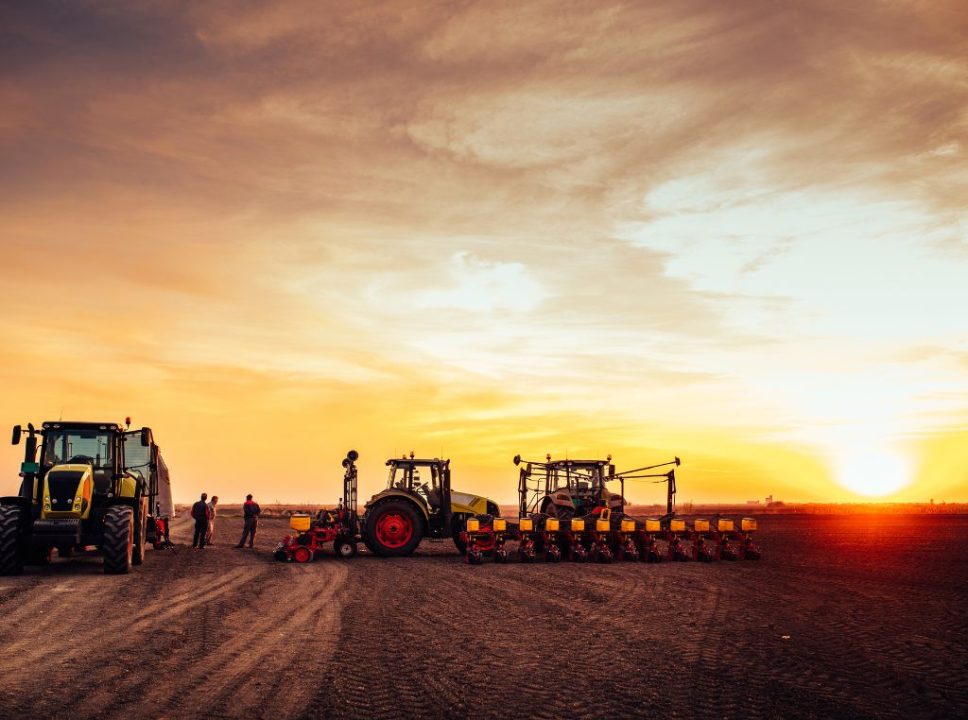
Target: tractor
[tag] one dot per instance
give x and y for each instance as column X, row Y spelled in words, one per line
column 418, row 502
column 565, row 489
column 84, row 484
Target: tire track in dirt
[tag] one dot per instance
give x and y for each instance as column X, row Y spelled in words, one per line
column 875, row 618
column 237, row 650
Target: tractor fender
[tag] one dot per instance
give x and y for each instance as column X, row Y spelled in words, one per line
column 15, row 500
column 561, row 499
column 381, row 497
column 131, row 502
column 395, row 493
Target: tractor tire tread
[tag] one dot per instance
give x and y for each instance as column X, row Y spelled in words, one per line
column 11, row 557
column 117, row 545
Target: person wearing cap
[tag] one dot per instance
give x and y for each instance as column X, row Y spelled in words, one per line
column 250, row 514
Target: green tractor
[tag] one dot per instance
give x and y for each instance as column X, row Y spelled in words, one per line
column 418, row 502
column 84, row 484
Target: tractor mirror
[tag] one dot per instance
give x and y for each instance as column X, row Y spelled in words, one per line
column 145, row 437
column 517, row 458
column 17, row 430
column 678, row 461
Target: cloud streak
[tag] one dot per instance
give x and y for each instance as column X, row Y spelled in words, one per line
column 724, row 230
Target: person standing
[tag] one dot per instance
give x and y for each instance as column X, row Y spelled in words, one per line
column 250, row 513
column 200, row 514
column 213, row 512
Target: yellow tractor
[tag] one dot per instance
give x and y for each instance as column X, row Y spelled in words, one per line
column 84, row 484
column 418, row 502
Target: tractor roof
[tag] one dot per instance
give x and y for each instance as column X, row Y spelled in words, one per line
column 578, row 463
column 76, row 425
column 417, row 462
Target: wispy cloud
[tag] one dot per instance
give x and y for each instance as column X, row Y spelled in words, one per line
column 730, row 230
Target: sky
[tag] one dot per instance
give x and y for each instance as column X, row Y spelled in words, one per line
column 274, row 231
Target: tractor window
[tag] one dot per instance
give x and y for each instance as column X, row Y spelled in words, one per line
column 79, row 446
column 398, row 477
column 136, row 455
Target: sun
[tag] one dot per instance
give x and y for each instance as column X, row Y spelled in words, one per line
column 874, row 470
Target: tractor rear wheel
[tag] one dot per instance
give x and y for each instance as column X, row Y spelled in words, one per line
column 11, row 557
column 393, row 529
column 118, row 543
column 140, row 535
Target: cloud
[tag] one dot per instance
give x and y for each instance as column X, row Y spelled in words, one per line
column 741, row 221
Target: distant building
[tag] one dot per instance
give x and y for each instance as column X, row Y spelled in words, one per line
column 752, row 502
column 769, row 499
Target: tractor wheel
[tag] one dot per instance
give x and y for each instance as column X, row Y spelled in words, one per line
column 65, row 551
column 456, row 528
column 630, row 551
column 474, row 556
column 140, row 534
column 344, row 547
column 603, row 553
column 552, row 553
column 501, row 555
column 118, row 543
column 393, row 529
column 11, row 557
column 302, row 554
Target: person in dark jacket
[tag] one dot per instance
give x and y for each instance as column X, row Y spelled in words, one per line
column 201, row 514
column 250, row 513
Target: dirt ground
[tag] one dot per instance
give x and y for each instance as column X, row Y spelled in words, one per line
column 876, row 610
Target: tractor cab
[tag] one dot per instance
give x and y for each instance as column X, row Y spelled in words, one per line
column 568, row 488
column 405, row 475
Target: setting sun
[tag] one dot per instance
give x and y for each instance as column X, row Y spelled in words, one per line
column 873, row 470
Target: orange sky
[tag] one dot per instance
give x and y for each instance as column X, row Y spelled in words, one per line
column 736, row 232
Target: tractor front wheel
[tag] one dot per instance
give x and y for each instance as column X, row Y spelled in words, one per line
column 11, row 557
column 345, row 547
column 118, row 543
column 393, row 529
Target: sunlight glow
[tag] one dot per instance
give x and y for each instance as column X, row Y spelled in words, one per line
column 873, row 469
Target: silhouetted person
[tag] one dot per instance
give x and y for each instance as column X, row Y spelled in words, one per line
column 250, row 513
column 201, row 515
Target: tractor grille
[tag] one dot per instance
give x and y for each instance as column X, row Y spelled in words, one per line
column 63, row 488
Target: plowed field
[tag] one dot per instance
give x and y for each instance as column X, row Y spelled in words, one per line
column 845, row 616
